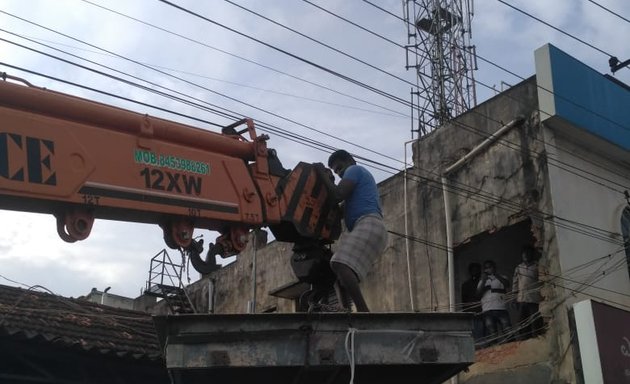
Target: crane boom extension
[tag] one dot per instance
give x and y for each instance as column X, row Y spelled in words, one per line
column 80, row 160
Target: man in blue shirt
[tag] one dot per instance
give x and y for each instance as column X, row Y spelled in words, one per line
column 366, row 237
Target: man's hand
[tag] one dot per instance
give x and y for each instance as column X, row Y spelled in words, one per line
column 324, row 172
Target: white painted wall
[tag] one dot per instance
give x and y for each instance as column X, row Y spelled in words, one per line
column 587, row 339
column 592, row 203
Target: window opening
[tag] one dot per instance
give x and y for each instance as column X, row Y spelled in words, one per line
column 506, row 306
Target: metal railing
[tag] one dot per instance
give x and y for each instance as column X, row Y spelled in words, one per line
column 164, row 271
column 165, row 280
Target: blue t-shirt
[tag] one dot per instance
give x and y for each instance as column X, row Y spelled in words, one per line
column 364, row 198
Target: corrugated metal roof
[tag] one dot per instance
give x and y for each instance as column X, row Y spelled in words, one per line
column 75, row 323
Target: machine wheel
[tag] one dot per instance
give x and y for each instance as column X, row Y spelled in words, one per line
column 168, row 238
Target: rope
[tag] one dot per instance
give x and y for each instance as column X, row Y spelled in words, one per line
column 350, row 344
column 350, row 351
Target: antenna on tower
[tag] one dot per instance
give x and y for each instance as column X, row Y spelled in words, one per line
column 438, row 48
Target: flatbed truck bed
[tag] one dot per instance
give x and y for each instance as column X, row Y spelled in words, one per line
column 316, row 347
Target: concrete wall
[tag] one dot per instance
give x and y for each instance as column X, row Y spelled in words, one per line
column 571, row 187
column 503, row 185
column 109, row 299
column 588, row 189
column 586, row 221
column 142, row 303
column 231, row 286
column 510, row 176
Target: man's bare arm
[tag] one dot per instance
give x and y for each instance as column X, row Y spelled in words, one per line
column 341, row 191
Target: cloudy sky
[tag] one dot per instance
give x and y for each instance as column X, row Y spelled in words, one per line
column 219, row 66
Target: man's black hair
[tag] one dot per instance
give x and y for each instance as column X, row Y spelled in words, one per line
column 491, row 263
column 473, row 265
column 340, row 154
column 529, row 251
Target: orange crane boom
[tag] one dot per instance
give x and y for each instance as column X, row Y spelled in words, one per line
column 80, row 160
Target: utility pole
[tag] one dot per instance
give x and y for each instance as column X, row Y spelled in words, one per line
column 439, row 50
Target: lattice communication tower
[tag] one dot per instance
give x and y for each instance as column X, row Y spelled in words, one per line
column 439, row 49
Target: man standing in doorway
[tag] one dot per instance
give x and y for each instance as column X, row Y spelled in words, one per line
column 471, row 299
column 492, row 287
column 527, row 288
column 366, row 235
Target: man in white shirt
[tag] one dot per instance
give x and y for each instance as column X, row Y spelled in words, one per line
column 527, row 287
column 492, row 287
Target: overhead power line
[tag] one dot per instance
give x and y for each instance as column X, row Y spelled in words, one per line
column 110, row 94
column 384, row 10
column 487, row 86
column 220, row 111
column 473, row 193
column 231, row 54
column 292, row 55
column 355, row 24
column 431, row 183
column 516, row 146
column 483, row 134
column 467, row 193
column 204, row 88
column 320, row 43
column 620, row 125
column 280, row 93
column 552, row 161
column 207, row 89
column 428, row 243
column 609, row 11
column 263, row 127
column 301, row 34
column 519, row 146
column 555, row 28
column 201, row 104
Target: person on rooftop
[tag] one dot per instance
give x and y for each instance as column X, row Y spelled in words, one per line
column 366, row 235
column 493, row 288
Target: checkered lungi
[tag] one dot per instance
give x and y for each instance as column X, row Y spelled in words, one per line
column 359, row 248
